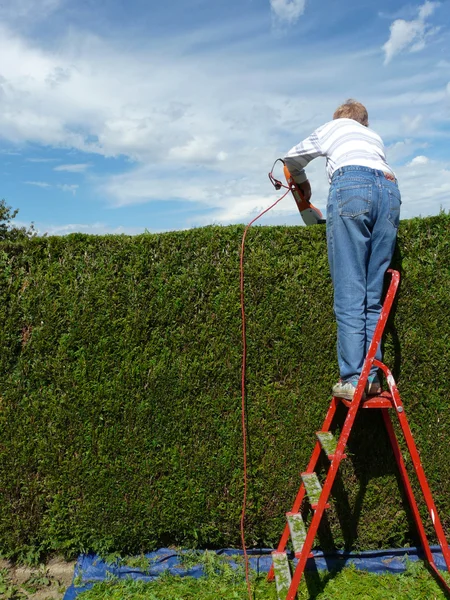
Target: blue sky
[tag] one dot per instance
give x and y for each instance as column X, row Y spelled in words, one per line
column 125, row 116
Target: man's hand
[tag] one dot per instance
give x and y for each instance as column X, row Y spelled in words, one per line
column 305, row 189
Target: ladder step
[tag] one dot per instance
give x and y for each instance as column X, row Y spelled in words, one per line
column 327, row 441
column 313, row 488
column 298, row 531
column 282, row 572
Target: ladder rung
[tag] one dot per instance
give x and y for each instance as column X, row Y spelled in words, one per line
column 298, row 531
column 328, row 443
column 282, row 573
column 313, row 488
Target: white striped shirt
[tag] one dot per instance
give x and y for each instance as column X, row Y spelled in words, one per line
column 343, row 142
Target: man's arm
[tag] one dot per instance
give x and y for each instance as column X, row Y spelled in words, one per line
column 298, row 157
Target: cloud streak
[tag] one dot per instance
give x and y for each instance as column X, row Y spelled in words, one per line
column 41, row 184
column 65, row 187
column 75, row 168
column 99, row 228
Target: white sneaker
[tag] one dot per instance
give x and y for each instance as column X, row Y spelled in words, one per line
column 344, row 389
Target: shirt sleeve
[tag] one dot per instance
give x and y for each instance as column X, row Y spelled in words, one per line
column 299, row 156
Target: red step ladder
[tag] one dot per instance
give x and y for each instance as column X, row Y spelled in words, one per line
column 312, row 491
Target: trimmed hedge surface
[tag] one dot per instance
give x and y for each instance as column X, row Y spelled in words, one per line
column 120, row 389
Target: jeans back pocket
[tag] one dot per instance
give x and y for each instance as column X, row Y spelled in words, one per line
column 354, row 200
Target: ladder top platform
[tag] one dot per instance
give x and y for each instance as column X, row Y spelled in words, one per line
column 384, row 400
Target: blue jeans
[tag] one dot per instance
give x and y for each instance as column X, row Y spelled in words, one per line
column 363, row 213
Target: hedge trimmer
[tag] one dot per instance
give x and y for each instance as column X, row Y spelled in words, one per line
column 309, row 213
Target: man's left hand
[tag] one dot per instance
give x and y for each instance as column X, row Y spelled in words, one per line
column 305, row 189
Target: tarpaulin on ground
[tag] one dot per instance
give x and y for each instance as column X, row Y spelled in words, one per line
column 91, row 569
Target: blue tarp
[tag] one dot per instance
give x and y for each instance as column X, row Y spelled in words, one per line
column 91, row 569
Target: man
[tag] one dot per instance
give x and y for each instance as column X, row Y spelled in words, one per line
column 363, row 213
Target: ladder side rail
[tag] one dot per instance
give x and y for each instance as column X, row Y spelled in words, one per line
column 411, row 498
column 417, row 463
column 432, row 510
column 406, row 483
column 301, row 492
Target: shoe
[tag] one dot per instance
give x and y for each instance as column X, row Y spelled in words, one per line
column 344, row 389
column 373, row 386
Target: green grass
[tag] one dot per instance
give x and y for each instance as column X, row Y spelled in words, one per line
column 349, row 584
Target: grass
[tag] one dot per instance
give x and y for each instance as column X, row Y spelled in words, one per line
column 224, row 583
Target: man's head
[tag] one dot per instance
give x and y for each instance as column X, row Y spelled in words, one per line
column 351, row 109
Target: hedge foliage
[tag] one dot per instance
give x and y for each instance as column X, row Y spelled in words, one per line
column 120, row 389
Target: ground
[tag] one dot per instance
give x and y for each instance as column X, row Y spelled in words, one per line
column 46, row 582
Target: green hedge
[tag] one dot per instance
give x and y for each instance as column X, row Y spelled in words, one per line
column 120, row 389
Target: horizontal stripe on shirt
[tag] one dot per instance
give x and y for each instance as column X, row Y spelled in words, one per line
column 342, row 142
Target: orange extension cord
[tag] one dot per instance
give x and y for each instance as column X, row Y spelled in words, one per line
column 244, row 360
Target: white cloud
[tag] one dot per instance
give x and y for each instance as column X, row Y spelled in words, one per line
column 21, row 12
column 110, row 105
column 91, row 228
column 288, row 10
column 42, row 160
column 234, row 200
column 10, row 152
column 75, row 168
column 65, row 187
column 42, row 184
column 427, row 9
column 202, row 149
column 419, row 160
column 425, row 187
column 399, row 151
column 410, row 34
column 192, row 132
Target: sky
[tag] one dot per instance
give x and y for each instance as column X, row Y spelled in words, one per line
column 128, row 116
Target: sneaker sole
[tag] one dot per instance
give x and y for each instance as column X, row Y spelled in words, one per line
column 348, row 396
